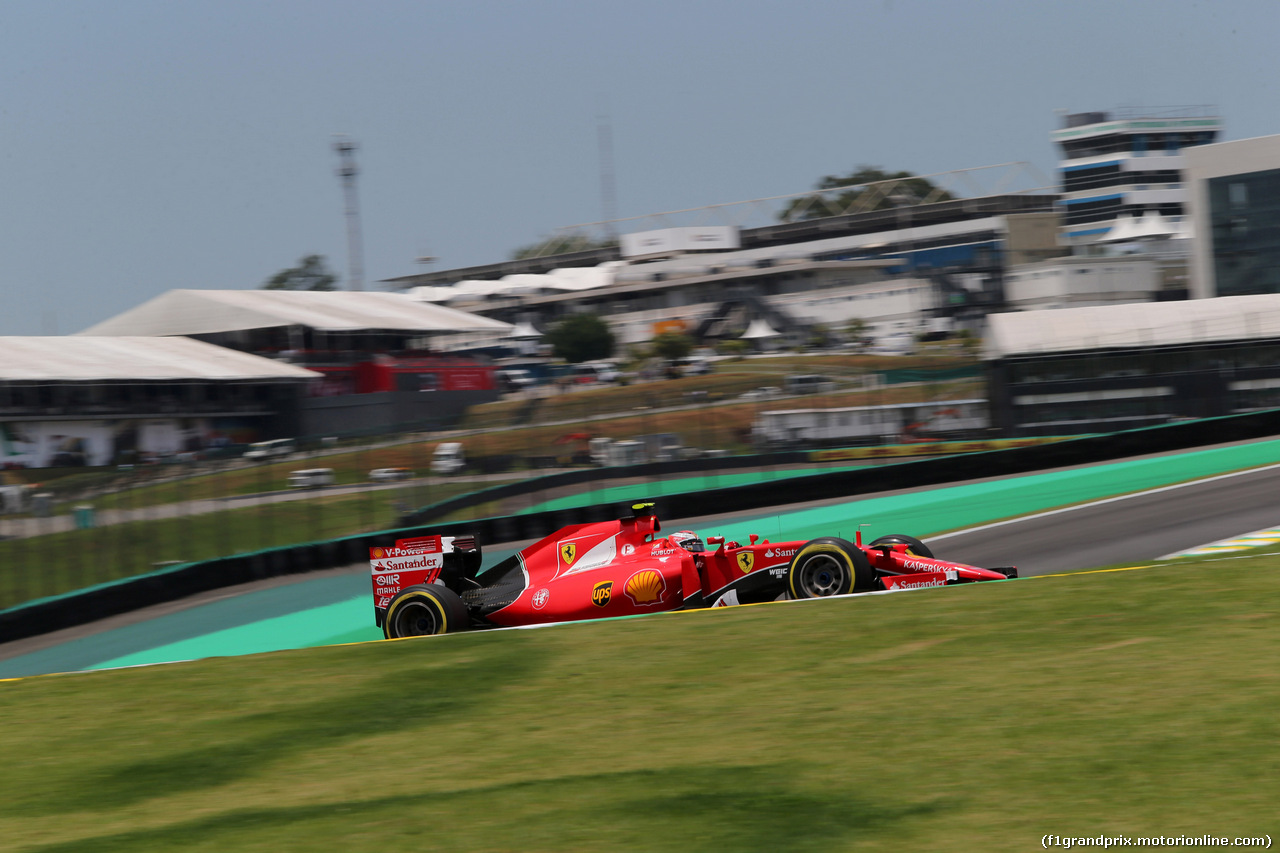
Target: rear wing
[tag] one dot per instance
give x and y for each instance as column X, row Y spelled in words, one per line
column 409, row 562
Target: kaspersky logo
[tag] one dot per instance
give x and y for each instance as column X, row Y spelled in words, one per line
column 746, row 561
column 601, row 593
column 568, row 550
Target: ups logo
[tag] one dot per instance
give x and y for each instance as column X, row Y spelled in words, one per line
column 601, row 593
column 746, row 560
column 567, row 552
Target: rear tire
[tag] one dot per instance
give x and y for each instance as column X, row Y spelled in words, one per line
column 828, row 566
column 423, row 610
column 914, row 545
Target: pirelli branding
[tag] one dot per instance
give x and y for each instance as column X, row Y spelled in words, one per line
column 601, row 593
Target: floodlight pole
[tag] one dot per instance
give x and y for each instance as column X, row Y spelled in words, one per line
column 347, row 171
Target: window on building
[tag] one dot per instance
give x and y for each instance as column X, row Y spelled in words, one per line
column 1244, row 216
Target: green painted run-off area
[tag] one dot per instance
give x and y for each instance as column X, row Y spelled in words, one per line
column 339, row 609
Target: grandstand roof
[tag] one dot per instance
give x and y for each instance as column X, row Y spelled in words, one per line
column 204, row 312
column 81, row 358
column 1141, row 324
column 778, row 234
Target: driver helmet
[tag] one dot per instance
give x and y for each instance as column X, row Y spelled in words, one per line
column 688, row 540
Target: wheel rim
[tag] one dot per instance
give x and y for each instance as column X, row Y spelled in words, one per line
column 416, row 619
column 822, row 575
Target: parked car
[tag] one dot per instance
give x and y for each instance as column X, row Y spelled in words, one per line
column 515, row 379
column 278, row 448
column 389, row 475
column 764, row 392
column 597, row 371
column 809, row 383
column 311, row 478
column 693, row 366
column 448, row 458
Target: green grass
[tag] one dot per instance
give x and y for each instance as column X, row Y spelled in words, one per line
column 48, row 565
column 348, row 468
column 972, row 718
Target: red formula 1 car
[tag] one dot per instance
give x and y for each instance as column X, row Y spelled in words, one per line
column 432, row 584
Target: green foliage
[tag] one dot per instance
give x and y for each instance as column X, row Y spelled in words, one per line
column 733, row 346
column 870, row 188
column 671, row 346
column 819, row 336
column 856, row 332
column 581, row 337
column 311, row 273
column 561, row 244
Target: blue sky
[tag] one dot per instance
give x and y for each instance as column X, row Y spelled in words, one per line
column 147, row 146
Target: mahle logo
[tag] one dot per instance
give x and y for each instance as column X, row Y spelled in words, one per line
column 567, row 552
column 746, row 560
column 601, row 593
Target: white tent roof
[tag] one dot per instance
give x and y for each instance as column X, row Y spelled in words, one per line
column 1151, row 224
column 81, row 358
column 1141, row 324
column 431, row 293
column 203, row 312
column 759, row 329
column 524, row 329
column 561, row 280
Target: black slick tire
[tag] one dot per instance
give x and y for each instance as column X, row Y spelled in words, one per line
column 914, row 545
column 425, row 609
column 828, row 566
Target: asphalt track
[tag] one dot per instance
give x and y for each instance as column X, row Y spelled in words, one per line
column 1071, row 519
column 1138, row 528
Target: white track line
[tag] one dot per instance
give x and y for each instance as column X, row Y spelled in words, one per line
column 1065, row 509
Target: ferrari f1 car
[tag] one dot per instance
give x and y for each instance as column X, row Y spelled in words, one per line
column 433, row 584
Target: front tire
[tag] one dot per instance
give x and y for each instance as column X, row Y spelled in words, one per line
column 914, row 545
column 423, row 610
column 826, row 567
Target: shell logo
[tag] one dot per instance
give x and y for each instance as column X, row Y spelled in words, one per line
column 377, row 553
column 645, row 587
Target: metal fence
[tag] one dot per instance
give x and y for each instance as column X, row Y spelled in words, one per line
column 69, row 528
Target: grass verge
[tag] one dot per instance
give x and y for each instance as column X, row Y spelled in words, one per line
column 40, row 566
column 971, row 718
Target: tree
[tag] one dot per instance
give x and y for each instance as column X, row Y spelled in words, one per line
column 870, row 188
column 581, row 337
column 561, row 244
column 671, row 346
column 819, row 336
column 311, row 273
column 856, row 331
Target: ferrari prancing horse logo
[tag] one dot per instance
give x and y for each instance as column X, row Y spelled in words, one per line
column 746, row 560
column 568, row 551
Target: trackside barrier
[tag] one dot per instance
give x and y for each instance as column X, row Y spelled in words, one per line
column 545, row 483
column 176, row 582
column 592, row 475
